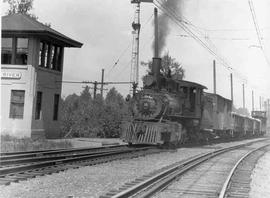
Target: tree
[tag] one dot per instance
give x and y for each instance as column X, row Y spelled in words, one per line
column 20, row 6
column 114, row 98
column 115, row 110
column 86, row 95
column 169, row 65
column 68, row 108
column 82, row 116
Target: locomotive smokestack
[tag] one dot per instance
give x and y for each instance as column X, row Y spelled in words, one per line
column 156, row 49
column 156, row 64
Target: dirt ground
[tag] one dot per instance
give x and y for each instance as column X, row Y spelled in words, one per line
column 92, row 142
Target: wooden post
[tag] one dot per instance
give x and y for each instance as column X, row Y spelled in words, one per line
column 244, row 102
column 231, row 87
column 252, row 100
column 214, row 77
column 260, row 103
column 95, row 89
column 102, row 83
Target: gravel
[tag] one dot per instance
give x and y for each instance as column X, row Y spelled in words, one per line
column 93, row 181
column 261, row 178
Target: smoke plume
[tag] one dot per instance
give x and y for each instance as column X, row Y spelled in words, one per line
column 163, row 21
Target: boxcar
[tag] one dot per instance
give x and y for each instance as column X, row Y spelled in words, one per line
column 217, row 115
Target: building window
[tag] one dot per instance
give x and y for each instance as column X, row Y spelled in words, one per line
column 21, row 51
column 17, row 104
column 6, row 55
column 41, row 56
column 57, row 58
column 60, row 53
column 55, row 106
column 50, row 56
column 46, row 49
column 38, row 105
column 52, row 64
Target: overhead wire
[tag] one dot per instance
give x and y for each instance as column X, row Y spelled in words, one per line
column 174, row 16
column 182, row 22
column 125, row 50
column 259, row 36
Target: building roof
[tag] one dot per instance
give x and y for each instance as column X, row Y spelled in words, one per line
column 191, row 84
column 21, row 24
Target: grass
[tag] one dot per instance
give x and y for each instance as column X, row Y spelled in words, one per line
column 13, row 144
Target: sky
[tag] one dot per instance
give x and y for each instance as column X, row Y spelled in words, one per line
column 104, row 28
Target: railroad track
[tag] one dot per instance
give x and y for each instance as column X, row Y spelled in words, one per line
column 201, row 176
column 237, row 183
column 21, row 166
column 7, row 159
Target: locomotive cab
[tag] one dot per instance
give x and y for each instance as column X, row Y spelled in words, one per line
column 187, row 95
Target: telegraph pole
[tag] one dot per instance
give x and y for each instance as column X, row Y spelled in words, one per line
column 214, row 77
column 95, row 89
column 252, row 100
column 231, row 76
column 102, row 83
column 260, row 103
column 244, row 102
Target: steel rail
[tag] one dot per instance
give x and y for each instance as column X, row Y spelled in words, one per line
column 27, row 167
column 16, row 155
column 60, row 155
column 150, row 185
column 227, row 182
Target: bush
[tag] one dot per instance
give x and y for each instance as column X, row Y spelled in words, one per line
column 83, row 116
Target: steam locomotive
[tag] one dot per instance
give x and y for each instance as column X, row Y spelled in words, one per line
column 173, row 112
column 170, row 111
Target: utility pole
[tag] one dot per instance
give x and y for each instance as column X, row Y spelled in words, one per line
column 231, row 76
column 95, row 89
column 260, row 103
column 102, row 83
column 244, row 102
column 252, row 100
column 214, row 78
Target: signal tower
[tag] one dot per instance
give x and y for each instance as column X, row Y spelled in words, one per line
column 136, row 26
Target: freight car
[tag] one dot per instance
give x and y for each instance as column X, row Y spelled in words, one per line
column 173, row 112
column 169, row 111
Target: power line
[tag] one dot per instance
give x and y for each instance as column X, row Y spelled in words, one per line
column 217, row 38
column 183, row 25
column 259, row 36
column 126, row 49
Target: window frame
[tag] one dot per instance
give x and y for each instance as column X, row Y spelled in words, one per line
column 14, row 103
column 14, row 50
column 11, row 51
column 51, row 56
